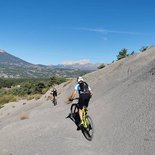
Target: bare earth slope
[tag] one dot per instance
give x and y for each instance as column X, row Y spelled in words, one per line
column 122, row 109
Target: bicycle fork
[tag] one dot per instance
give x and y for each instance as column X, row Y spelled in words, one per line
column 84, row 114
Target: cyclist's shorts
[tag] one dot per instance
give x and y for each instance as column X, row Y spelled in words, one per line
column 54, row 93
column 83, row 100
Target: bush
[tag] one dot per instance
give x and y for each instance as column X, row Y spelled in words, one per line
column 56, row 80
column 132, row 53
column 101, row 66
column 122, row 54
column 34, row 96
column 3, row 92
column 39, row 87
column 12, row 89
column 144, row 48
column 6, row 99
column 44, row 90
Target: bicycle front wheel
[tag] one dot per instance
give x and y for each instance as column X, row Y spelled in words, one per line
column 74, row 109
column 89, row 130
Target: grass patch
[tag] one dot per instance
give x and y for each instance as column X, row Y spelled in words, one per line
column 6, row 99
column 34, row 96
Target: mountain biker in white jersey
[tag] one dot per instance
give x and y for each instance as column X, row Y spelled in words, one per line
column 84, row 96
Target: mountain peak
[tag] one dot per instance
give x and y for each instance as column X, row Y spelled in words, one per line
column 2, row 51
column 80, row 62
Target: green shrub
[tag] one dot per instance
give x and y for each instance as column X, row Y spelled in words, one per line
column 3, row 92
column 39, row 87
column 122, row 54
column 34, row 96
column 144, row 48
column 44, row 90
column 7, row 98
column 101, row 66
column 132, row 53
column 13, row 89
column 56, row 80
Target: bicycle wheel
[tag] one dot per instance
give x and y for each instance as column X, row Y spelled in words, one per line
column 75, row 114
column 74, row 109
column 89, row 130
column 54, row 101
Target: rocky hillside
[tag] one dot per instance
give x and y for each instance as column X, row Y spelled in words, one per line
column 122, row 109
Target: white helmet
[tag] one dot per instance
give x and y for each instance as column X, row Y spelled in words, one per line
column 79, row 79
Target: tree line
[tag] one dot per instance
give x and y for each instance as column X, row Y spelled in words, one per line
column 13, row 89
column 124, row 53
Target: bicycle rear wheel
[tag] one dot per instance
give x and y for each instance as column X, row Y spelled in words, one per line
column 55, row 102
column 89, row 130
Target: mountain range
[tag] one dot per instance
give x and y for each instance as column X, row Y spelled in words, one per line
column 84, row 67
column 14, row 67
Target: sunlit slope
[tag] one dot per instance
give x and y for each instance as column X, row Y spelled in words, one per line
column 124, row 106
column 122, row 109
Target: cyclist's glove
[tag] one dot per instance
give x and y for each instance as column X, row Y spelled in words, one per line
column 70, row 99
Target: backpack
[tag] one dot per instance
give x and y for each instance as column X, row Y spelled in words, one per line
column 84, row 88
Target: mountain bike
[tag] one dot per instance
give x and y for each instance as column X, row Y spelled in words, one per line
column 87, row 128
column 54, row 101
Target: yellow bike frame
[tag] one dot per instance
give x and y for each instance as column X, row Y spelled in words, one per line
column 84, row 118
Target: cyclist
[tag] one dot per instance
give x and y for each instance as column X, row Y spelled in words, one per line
column 54, row 93
column 85, row 94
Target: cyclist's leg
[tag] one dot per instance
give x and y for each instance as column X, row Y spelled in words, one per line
column 86, row 100
column 53, row 97
column 80, row 104
column 80, row 108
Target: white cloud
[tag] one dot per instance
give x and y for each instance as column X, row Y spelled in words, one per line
column 105, row 31
column 81, row 62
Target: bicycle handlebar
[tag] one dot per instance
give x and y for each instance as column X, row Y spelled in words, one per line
column 77, row 98
column 70, row 100
column 74, row 99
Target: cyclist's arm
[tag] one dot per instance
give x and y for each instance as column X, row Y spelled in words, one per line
column 72, row 95
column 91, row 93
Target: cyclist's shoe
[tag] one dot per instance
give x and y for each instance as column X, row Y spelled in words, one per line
column 78, row 128
column 90, row 128
column 80, row 125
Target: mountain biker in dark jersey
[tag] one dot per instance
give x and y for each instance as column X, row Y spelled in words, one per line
column 84, row 97
column 54, row 93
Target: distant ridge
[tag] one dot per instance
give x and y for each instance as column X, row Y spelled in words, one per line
column 83, row 64
column 9, row 59
column 87, row 66
column 14, row 67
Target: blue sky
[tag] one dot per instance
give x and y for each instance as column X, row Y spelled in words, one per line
column 54, row 31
